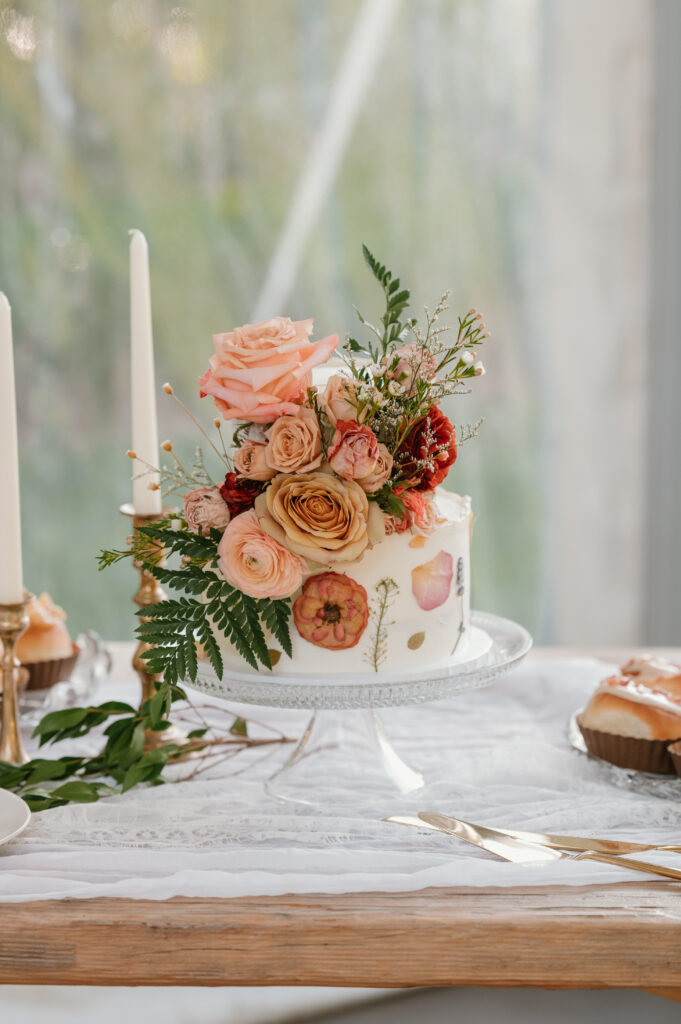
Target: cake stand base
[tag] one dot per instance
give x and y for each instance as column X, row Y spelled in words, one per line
column 341, row 756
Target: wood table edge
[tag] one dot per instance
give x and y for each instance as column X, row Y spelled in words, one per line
column 615, row 936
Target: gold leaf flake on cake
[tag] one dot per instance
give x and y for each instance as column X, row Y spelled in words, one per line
column 415, row 640
column 418, row 541
column 274, row 656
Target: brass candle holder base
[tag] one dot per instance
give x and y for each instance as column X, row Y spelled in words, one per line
column 13, row 622
column 150, row 592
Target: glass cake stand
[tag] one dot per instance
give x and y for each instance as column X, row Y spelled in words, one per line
column 342, row 755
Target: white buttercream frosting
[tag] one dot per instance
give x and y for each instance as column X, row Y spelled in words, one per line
column 640, row 693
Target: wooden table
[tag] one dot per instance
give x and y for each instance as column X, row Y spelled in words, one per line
column 614, row 936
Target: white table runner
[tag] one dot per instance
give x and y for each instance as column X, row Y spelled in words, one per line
column 498, row 756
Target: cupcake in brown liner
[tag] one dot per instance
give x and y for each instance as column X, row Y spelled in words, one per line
column 633, row 717
column 45, row 649
column 674, row 751
column 43, row 674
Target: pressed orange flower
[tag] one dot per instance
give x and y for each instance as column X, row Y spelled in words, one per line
column 332, row 611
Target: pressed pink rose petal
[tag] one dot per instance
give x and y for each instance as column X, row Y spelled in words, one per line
column 432, row 582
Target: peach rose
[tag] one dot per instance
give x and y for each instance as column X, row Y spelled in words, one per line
column 338, row 400
column 250, row 461
column 257, row 564
column 320, row 517
column 260, row 371
column 373, row 482
column 295, row 443
column 205, row 509
column 353, row 452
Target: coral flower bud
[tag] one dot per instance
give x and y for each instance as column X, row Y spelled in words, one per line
column 168, row 388
column 167, row 446
column 131, row 454
column 217, row 423
column 154, row 487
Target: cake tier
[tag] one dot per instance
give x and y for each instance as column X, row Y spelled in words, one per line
column 418, row 590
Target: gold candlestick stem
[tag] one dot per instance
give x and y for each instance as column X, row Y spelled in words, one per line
column 13, row 622
column 149, row 592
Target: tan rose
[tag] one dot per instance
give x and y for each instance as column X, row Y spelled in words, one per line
column 381, row 473
column 320, row 517
column 205, row 509
column 250, row 461
column 295, row 443
column 338, row 400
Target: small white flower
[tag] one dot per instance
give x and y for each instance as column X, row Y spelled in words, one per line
column 395, row 388
column 467, row 357
column 175, row 524
column 375, row 370
column 479, row 368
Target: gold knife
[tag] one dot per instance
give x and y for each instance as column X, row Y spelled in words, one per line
column 520, row 852
column 557, row 842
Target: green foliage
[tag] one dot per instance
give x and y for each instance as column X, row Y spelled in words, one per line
column 393, row 329
column 122, row 763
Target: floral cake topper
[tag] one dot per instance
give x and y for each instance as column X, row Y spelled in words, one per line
column 316, row 475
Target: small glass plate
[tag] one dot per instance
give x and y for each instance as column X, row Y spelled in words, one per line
column 666, row 786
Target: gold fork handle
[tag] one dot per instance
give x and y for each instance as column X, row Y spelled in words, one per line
column 633, row 865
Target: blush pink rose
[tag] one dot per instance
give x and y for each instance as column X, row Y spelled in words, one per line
column 205, row 509
column 414, row 362
column 338, row 400
column 250, row 461
column 260, row 371
column 380, row 474
column 257, row 564
column 353, row 453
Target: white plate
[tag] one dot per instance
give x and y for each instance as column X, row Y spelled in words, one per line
column 14, row 815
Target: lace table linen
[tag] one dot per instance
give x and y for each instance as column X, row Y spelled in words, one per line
column 498, row 756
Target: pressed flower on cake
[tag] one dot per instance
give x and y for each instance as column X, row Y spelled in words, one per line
column 332, row 611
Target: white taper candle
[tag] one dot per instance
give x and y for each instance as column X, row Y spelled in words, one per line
column 143, row 388
column 11, row 580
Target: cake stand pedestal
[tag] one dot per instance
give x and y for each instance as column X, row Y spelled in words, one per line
column 344, row 752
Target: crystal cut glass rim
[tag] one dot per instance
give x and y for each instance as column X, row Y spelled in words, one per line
column 510, row 642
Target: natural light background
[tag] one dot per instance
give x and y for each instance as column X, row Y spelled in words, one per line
column 500, row 149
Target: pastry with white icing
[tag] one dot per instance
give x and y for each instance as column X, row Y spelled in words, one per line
column 633, row 716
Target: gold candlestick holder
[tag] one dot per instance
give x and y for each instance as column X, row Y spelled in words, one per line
column 13, row 622
column 149, row 592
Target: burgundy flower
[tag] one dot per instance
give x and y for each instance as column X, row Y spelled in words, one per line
column 428, row 451
column 240, row 493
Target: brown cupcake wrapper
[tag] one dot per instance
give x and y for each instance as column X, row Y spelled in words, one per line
column 674, row 751
column 44, row 674
column 628, row 751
